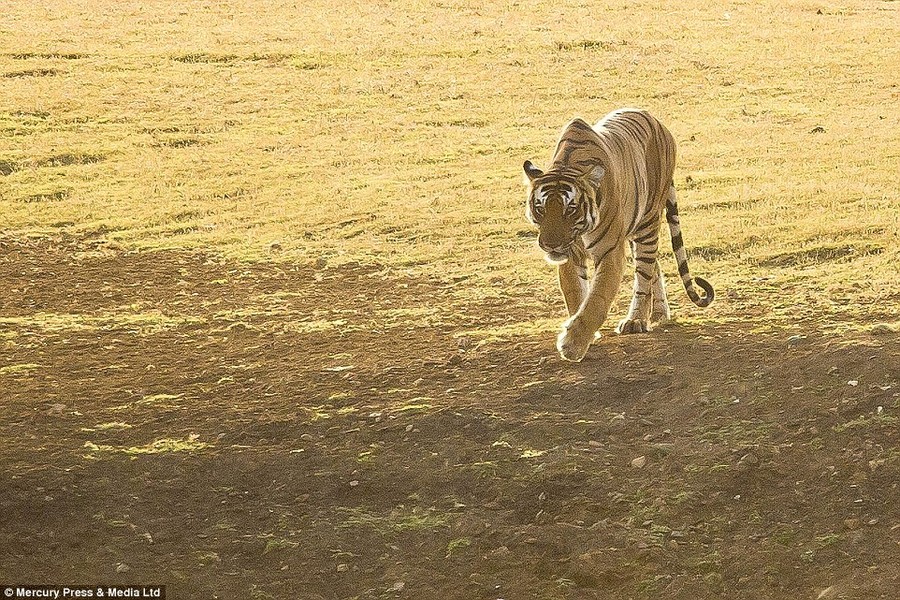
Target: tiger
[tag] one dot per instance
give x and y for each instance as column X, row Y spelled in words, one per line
column 606, row 189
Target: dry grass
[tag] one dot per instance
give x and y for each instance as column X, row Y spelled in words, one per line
column 395, row 132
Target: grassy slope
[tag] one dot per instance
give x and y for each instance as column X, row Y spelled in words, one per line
column 394, row 132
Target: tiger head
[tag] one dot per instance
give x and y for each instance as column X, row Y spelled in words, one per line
column 561, row 203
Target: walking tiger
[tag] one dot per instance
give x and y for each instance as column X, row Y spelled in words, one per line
column 606, row 188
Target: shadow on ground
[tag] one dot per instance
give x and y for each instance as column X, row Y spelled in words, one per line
column 274, row 431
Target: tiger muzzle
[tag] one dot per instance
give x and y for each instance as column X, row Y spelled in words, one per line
column 557, row 254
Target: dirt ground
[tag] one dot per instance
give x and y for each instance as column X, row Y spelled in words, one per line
column 240, row 430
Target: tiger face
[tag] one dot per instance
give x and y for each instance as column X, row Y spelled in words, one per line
column 559, row 204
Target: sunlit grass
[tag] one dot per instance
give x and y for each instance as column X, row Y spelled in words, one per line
column 400, row 519
column 161, row 446
column 394, row 134
column 19, row 369
column 139, row 322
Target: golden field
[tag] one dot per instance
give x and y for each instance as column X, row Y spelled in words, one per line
column 394, row 133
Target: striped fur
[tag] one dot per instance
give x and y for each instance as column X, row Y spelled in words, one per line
column 607, row 188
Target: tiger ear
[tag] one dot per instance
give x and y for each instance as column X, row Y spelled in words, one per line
column 595, row 174
column 531, row 171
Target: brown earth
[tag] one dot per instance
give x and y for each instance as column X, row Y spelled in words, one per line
column 241, row 430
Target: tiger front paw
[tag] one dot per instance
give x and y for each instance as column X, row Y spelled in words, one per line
column 574, row 340
column 632, row 326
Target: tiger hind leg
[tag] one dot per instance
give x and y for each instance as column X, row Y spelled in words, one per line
column 646, row 270
column 660, row 312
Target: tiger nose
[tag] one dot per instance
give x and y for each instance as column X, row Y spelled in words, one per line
column 559, row 249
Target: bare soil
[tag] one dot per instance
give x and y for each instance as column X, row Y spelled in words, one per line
column 239, row 430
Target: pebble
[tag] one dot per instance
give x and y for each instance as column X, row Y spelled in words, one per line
column 749, row 459
column 828, row 593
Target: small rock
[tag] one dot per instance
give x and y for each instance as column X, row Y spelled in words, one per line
column 853, row 383
column 831, row 591
column 795, row 340
column 354, row 483
column 306, row 437
column 749, row 459
column 872, row 522
column 343, row 568
column 595, row 444
column 817, row 129
column 851, row 524
column 409, row 428
column 122, row 568
column 397, row 587
column 639, row 462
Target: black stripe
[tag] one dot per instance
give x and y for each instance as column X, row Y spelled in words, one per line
column 645, row 259
column 649, row 219
column 634, row 215
column 653, row 235
column 709, row 293
column 580, row 124
column 683, row 268
column 644, row 275
column 671, row 208
column 677, row 242
column 602, row 235
column 602, row 256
